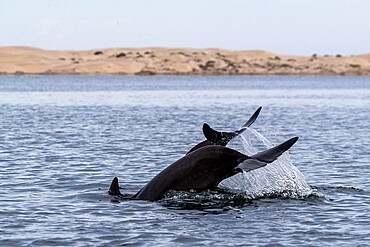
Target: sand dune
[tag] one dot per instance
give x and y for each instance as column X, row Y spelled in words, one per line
column 170, row 61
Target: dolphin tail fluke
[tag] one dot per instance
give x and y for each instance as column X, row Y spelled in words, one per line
column 217, row 137
column 272, row 154
column 114, row 188
column 222, row 138
column 263, row 158
column 253, row 118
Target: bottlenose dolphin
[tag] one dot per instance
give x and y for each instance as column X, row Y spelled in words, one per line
column 223, row 138
column 204, row 168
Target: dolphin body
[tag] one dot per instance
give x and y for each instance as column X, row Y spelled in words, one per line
column 204, row 168
column 213, row 137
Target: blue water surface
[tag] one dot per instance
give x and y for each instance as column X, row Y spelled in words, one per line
column 64, row 138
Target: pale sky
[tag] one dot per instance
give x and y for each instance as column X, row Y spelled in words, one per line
column 291, row 27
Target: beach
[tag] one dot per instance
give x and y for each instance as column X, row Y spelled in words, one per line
column 174, row 61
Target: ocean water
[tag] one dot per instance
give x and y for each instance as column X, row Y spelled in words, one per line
column 64, row 138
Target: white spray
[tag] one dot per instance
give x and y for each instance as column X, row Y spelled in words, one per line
column 280, row 178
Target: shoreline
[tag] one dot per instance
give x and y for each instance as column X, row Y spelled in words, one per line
column 175, row 61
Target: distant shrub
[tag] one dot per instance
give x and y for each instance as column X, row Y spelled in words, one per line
column 121, row 55
column 355, row 65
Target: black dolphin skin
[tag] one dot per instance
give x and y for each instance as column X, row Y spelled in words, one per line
column 223, row 138
column 206, row 165
column 204, row 168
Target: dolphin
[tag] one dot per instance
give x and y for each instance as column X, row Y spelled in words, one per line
column 223, row 138
column 204, row 168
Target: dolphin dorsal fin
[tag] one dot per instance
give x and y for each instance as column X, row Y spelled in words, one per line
column 114, row 188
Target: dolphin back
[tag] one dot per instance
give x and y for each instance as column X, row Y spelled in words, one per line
column 200, row 145
column 202, row 169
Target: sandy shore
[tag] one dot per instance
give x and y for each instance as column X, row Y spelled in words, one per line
column 169, row 61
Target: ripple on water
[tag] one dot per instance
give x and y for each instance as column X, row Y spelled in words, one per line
column 61, row 145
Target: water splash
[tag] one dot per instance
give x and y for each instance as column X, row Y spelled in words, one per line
column 280, row 178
